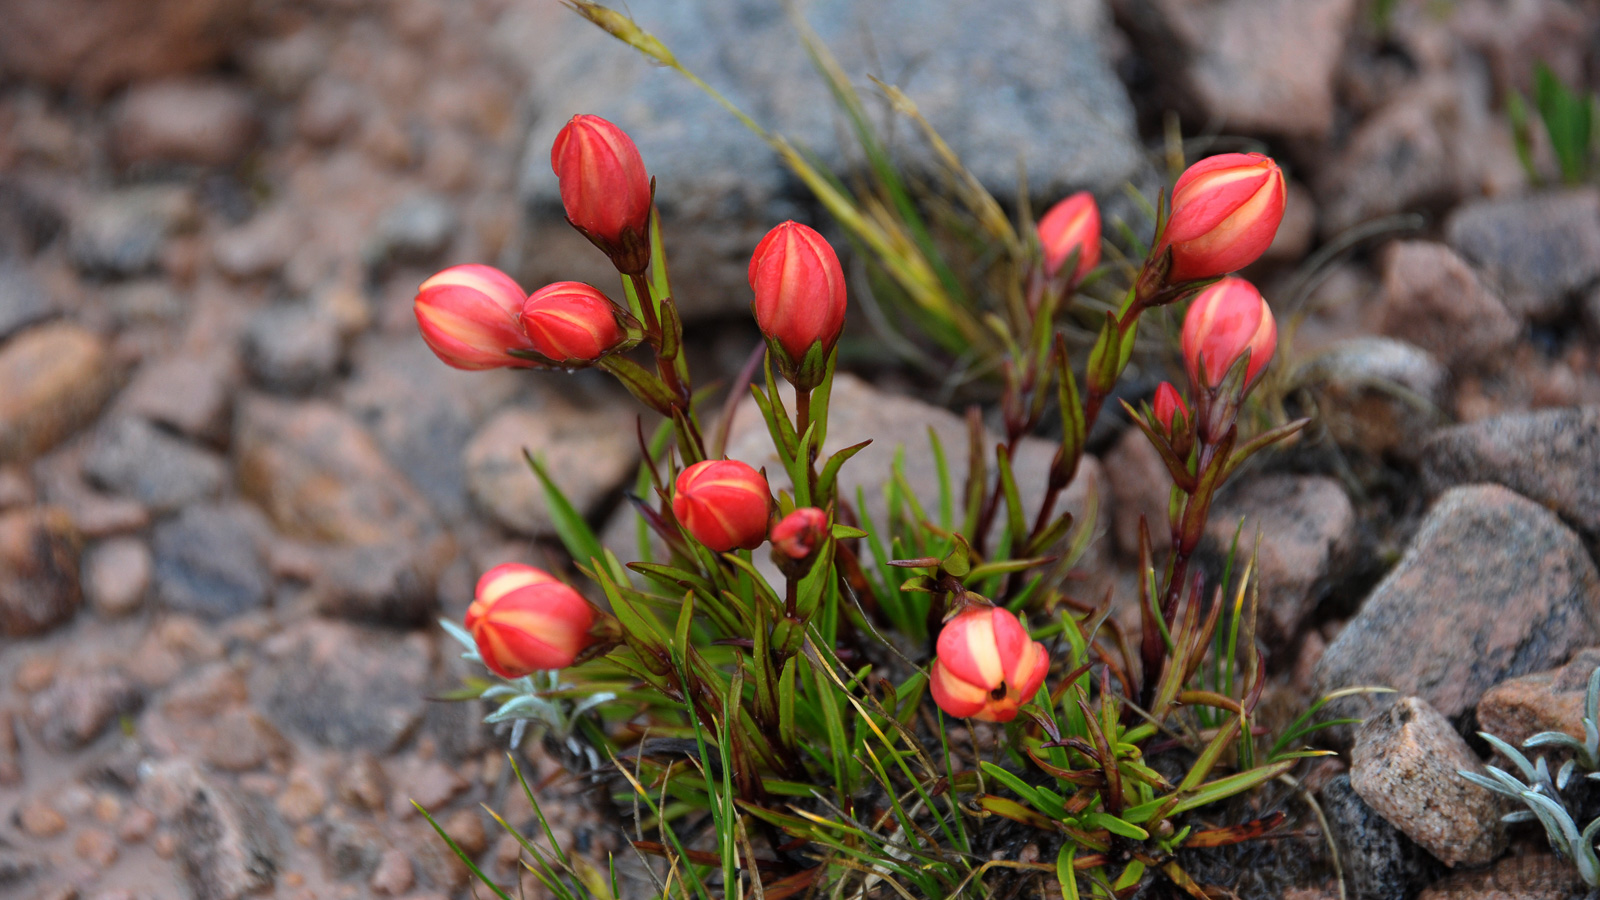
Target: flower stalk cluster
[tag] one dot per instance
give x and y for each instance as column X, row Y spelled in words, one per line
column 829, row 681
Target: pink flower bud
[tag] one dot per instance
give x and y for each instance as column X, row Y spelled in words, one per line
column 1227, row 320
column 604, row 186
column 986, row 666
column 468, row 317
column 723, row 503
column 1225, row 212
column 799, row 286
column 570, row 320
column 1168, row 404
column 1072, row 224
column 798, row 534
column 524, row 621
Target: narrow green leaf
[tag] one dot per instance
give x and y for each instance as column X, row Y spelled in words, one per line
column 1065, row 872
column 574, row 532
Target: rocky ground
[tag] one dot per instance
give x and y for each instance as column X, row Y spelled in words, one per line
column 236, row 489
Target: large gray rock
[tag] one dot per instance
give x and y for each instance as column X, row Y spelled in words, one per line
column 164, row 473
column 345, row 686
column 1379, row 861
column 227, row 844
column 208, row 561
column 1493, row 586
column 1550, row 456
column 423, row 413
column 1541, row 248
column 1049, row 99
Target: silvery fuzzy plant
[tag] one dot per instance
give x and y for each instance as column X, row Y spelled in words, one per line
column 1542, row 794
column 526, row 699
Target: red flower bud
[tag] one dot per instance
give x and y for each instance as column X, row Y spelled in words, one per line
column 1168, row 404
column 570, row 320
column 1227, row 320
column 604, row 186
column 798, row 534
column 723, row 503
column 1072, row 224
column 1225, row 212
column 799, row 289
column 468, row 317
column 986, row 666
column 524, row 620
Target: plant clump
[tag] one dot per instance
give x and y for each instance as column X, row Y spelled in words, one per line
column 916, row 706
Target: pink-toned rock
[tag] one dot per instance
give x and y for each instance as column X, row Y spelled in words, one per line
column 10, row 750
column 39, row 819
column 76, row 709
column 1533, row 876
column 303, row 798
column 96, row 847
column 465, row 827
column 1405, row 764
column 1306, row 528
column 1433, row 299
column 1431, row 144
column 319, row 475
column 260, row 247
column 227, row 848
column 589, row 452
column 94, row 45
column 1439, row 625
column 394, row 875
column 1520, row 708
column 207, row 123
column 433, row 786
column 53, row 381
column 1259, row 66
column 1140, row 487
column 39, row 587
column 188, row 391
column 116, row 576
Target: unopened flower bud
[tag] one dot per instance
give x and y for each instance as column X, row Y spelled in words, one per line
column 468, row 317
column 798, row 534
column 799, row 292
column 571, row 321
column 986, row 666
column 1168, row 405
column 605, row 189
column 525, row 621
column 1071, row 225
column 1226, row 321
column 723, row 504
column 1225, row 212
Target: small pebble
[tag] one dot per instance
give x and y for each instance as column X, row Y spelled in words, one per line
column 107, row 808
column 165, row 844
column 136, row 825
column 96, row 847
column 394, row 875
column 34, row 674
column 40, row 820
